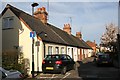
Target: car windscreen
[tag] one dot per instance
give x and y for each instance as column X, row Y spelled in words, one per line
column 52, row 57
column 103, row 56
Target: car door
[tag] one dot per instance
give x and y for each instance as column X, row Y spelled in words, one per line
column 71, row 62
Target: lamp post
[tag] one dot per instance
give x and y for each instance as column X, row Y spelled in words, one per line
column 118, row 38
column 33, row 5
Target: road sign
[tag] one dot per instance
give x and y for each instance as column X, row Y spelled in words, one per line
column 37, row 43
column 32, row 34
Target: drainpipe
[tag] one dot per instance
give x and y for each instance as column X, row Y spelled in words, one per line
column 44, row 49
column 66, row 49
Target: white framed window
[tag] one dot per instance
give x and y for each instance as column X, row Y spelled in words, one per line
column 68, row 50
column 57, row 50
column 62, row 50
column 7, row 22
column 49, row 49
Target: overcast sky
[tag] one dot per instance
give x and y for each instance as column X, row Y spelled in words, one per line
column 88, row 16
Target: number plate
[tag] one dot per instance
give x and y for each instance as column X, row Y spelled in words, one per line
column 49, row 68
column 104, row 62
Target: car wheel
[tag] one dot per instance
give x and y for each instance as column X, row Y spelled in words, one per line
column 64, row 70
column 44, row 72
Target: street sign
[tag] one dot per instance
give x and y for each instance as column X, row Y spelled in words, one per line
column 37, row 43
column 32, row 34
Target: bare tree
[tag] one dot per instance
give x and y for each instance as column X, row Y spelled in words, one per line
column 109, row 38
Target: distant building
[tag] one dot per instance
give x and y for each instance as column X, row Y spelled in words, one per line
column 93, row 45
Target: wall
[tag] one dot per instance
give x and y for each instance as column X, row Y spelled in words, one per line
column 72, row 52
column 25, row 43
column 53, row 48
column 10, row 36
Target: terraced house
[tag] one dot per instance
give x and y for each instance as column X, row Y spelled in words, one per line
column 17, row 26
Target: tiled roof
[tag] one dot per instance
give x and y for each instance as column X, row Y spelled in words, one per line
column 48, row 32
column 92, row 44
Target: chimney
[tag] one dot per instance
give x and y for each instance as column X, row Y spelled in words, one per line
column 79, row 35
column 67, row 28
column 41, row 14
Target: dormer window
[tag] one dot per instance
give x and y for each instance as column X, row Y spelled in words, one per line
column 8, row 22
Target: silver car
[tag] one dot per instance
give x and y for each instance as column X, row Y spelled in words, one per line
column 10, row 74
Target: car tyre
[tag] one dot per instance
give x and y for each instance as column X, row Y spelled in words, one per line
column 64, row 70
column 44, row 72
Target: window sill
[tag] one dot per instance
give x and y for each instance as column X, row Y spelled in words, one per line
column 7, row 28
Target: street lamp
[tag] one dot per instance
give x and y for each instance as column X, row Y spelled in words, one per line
column 33, row 5
column 118, row 38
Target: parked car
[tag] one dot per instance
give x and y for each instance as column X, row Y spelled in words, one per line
column 58, row 63
column 10, row 74
column 103, row 58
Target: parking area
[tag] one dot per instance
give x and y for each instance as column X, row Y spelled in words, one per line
column 51, row 76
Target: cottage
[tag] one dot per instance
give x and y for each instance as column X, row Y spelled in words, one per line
column 19, row 26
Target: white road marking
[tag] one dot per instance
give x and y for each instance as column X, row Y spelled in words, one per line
column 53, row 75
column 67, row 74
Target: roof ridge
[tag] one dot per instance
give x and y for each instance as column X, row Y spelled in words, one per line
column 56, row 27
column 10, row 6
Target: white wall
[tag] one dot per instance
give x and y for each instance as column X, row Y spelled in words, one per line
column 25, row 42
column 53, row 48
column 72, row 54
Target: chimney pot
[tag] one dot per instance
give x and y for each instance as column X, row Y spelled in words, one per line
column 43, row 9
column 67, row 28
column 38, row 9
column 41, row 14
column 79, row 35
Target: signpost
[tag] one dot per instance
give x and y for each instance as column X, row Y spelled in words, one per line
column 37, row 44
column 32, row 35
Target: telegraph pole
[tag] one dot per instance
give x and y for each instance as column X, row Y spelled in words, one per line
column 118, row 40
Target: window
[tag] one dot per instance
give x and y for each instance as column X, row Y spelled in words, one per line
column 3, row 74
column 7, row 22
column 69, row 58
column 62, row 50
column 57, row 50
column 68, row 50
column 52, row 57
column 63, row 57
column 49, row 49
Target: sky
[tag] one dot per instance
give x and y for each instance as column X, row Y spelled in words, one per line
column 90, row 17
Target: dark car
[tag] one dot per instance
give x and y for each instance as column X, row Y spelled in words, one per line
column 13, row 74
column 57, row 63
column 103, row 58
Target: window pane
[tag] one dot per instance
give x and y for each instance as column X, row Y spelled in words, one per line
column 62, row 50
column 7, row 22
column 57, row 50
column 49, row 49
column 52, row 57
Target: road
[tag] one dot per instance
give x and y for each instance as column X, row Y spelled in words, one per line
column 87, row 70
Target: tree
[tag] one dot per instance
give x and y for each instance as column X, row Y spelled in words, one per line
column 109, row 38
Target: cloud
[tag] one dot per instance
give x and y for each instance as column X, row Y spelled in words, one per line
column 60, row 0
column 89, row 17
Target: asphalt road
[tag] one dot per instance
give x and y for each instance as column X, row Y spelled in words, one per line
column 86, row 70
